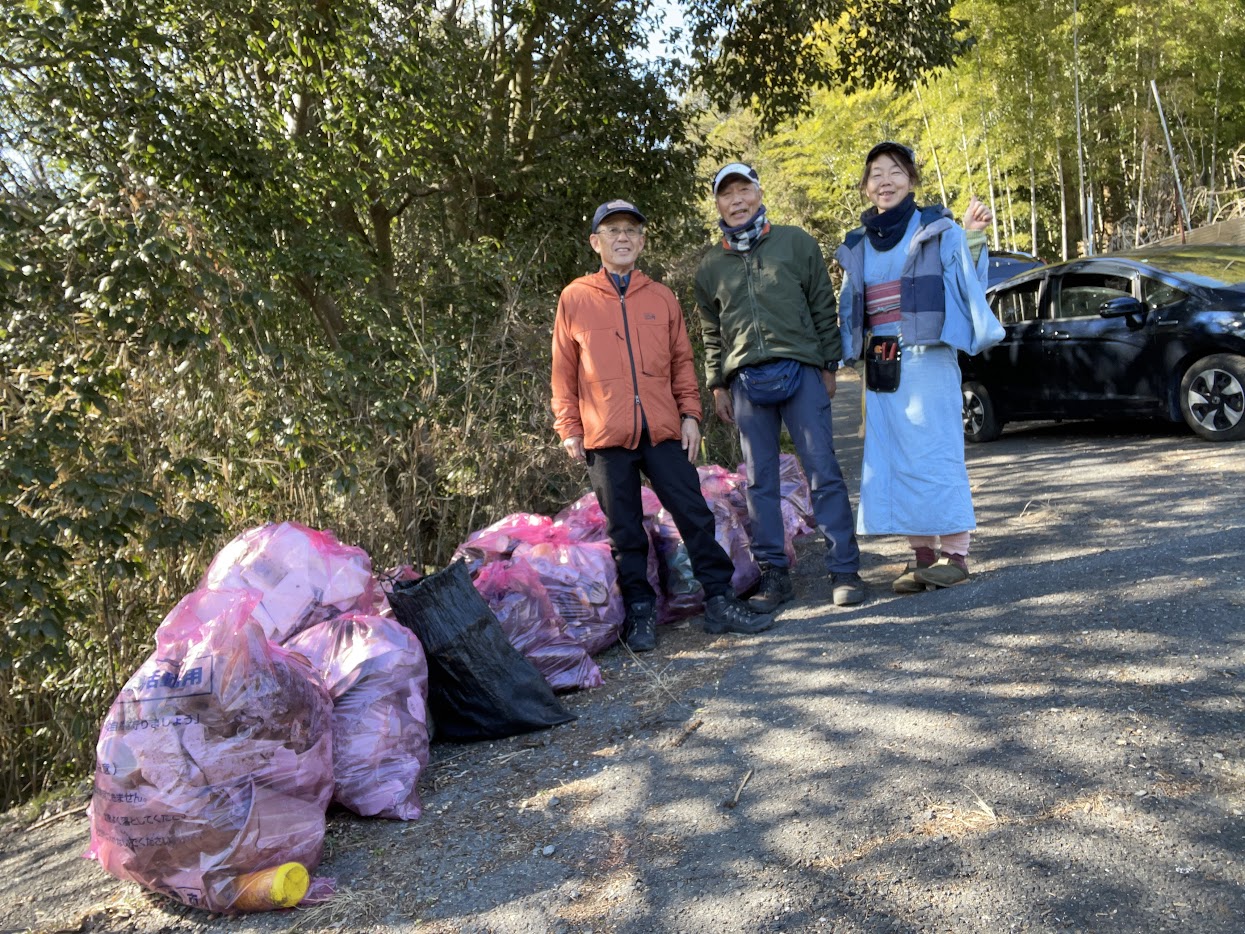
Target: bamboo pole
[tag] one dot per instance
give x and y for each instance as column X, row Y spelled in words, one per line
column 1086, row 234
column 1211, row 202
column 1171, row 154
column 942, row 187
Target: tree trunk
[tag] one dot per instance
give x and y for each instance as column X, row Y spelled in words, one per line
column 1010, row 227
column 1063, row 200
column 1211, row 203
column 1086, row 235
column 1033, row 212
column 968, row 165
column 323, row 308
column 942, row 186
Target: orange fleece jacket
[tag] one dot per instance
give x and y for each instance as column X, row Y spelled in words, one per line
column 615, row 356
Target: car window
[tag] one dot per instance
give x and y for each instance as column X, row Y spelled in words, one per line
column 1018, row 304
column 1081, row 294
column 1158, row 294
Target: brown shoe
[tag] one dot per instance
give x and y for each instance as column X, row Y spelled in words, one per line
column 907, row 582
column 942, row 573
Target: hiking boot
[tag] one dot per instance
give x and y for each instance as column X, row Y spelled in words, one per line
column 727, row 613
column 640, row 626
column 945, row 572
column 849, row 589
column 774, row 590
column 907, row 582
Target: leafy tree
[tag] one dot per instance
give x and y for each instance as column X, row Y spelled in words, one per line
column 281, row 261
column 772, row 55
column 1002, row 124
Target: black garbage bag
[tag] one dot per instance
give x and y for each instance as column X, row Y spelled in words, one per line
column 479, row 686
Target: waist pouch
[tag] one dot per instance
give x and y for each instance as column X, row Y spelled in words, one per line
column 882, row 364
column 770, row 383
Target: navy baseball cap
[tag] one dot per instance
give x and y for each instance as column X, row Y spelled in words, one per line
column 892, row 148
column 732, row 169
column 617, row 206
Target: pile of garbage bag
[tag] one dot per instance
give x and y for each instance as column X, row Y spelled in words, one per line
column 285, row 682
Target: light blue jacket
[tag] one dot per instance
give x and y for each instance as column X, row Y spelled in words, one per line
column 967, row 323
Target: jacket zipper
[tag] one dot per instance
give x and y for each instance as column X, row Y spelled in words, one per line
column 752, row 303
column 635, row 382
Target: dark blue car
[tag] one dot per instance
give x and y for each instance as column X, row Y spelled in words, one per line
column 1153, row 332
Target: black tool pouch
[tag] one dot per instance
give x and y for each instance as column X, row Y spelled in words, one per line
column 882, row 361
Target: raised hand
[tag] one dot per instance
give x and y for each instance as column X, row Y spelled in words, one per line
column 978, row 216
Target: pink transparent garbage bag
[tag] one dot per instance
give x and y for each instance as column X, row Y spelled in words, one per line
column 681, row 594
column 797, row 505
column 724, row 492
column 215, row 759
column 514, row 592
column 793, row 487
column 584, row 520
column 499, row 540
column 305, row 576
column 733, row 537
column 718, row 483
column 376, row 673
column 582, row 582
column 794, row 502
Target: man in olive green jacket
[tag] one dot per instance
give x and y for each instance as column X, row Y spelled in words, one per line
column 772, row 345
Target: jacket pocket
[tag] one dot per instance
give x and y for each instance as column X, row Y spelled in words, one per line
column 654, row 346
column 603, row 354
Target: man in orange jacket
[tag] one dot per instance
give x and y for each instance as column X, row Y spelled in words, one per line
column 626, row 401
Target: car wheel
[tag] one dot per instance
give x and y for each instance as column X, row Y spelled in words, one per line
column 1212, row 397
column 981, row 423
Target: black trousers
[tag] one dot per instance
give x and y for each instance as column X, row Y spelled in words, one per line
column 615, row 475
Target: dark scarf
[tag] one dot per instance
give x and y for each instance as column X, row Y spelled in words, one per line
column 741, row 238
column 886, row 228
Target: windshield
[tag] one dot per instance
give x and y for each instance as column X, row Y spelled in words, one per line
column 1215, row 268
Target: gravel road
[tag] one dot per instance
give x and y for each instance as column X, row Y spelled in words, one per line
column 1056, row 746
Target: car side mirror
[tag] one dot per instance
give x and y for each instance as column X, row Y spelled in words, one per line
column 1121, row 307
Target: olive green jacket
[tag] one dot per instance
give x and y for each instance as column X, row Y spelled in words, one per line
column 773, row 302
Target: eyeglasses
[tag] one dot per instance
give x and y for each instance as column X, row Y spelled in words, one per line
column 614, row 233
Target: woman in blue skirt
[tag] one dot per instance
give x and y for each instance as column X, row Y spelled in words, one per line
column 913, row 296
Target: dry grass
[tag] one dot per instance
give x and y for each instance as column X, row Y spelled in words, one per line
column 348, row 910
column 951, row 821
column 1037, row 513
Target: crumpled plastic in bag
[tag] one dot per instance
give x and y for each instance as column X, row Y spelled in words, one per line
column 499, row 540
column 304, row 575
column 375, row 671
column 514, row 592
column 681, row 595
column 718, row 483
column 585, row 521
column 582, row 582
column 215, row 759
column 733, row 537
column 794, row 502
column 797, row 505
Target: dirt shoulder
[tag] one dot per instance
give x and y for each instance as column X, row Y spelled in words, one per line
column 1055, row 746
